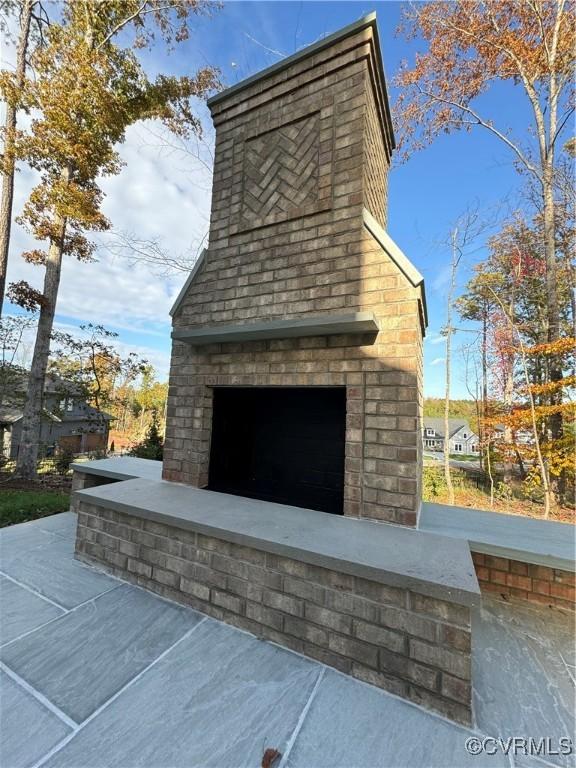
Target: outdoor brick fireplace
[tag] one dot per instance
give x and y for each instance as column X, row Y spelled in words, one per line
column 295, row 391
column 301, row 290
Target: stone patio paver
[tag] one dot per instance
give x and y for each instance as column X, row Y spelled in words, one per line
column 63, row 524
column 79, row 662
column 355, row 725
column 28, row 729
column 22, row 611
column 219, row 698
column 50, row 569
column 516, row 654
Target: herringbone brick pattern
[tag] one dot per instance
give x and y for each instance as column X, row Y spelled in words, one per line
column 281, row 170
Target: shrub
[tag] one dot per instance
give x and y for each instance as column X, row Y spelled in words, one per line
column 433, row 483
column 63, row 460
column 152, row 447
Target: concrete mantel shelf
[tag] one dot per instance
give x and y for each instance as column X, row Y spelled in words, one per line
column 316, row 325
column 432, row 565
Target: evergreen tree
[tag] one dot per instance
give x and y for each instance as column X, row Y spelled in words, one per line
column 152, row 447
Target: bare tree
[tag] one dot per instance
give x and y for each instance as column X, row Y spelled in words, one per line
column 465, row 232
column 152, row 252
column 544, row 475
column 456, row 255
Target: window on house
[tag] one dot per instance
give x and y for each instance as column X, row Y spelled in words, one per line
column 458, row 447
column 464, row 435
column 63, row 404
column 69, row 404
column 429, row 432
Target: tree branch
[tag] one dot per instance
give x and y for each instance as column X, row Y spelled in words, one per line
column 478, row 120
column 562, row 124
column 122, row 24
column 528, row 85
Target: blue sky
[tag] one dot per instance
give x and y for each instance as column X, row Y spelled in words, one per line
column 163, row 193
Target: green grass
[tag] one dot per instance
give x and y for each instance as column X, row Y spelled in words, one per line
column 44, row 466
column 464, row 456
column 20, row 506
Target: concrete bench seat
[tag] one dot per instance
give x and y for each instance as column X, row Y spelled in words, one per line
column 514, row 556
column 542, row 542
column 437, row 566
column 94, row 474
column 120, row 468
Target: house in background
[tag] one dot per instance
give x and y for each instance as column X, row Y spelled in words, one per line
column 69, row 423
column 462, row 439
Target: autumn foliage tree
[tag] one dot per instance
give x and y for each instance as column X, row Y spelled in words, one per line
column 94, row 365
column 89, row 86
column 469, row 47
column 507, row 294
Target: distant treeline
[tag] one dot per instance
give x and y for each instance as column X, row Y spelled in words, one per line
column 459, row 409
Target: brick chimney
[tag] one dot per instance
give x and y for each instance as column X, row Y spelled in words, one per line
column 302, row 300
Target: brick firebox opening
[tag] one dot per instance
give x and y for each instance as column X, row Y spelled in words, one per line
column 281, row 444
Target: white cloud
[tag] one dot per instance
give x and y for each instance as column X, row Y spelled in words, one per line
column 438, row 361
column 160, row 194
column 437, row 339
column 442, row 279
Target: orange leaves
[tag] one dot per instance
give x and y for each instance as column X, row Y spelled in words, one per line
column 469, row 45
column 34, row 257
column 551, row 387
column 566, row 344
column 89, row 86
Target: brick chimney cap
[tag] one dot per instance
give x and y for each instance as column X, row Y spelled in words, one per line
column 366, row 21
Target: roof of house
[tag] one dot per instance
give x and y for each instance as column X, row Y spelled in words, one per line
column 10, row 414
column 14, row 389
column 437, row 424
column 15, row 379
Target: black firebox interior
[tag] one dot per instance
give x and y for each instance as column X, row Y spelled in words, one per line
column 282, row 444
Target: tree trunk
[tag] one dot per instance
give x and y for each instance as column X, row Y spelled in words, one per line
column 520, row 461
column 449, row 332
column 9, row 164
column 483, row 410
column 554, row 422
column 26, row 463
column 508, row 472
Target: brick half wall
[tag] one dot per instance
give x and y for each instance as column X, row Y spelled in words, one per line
column 506, row 578
column 412, row 645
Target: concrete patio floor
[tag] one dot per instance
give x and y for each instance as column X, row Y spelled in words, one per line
column 95, row 672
